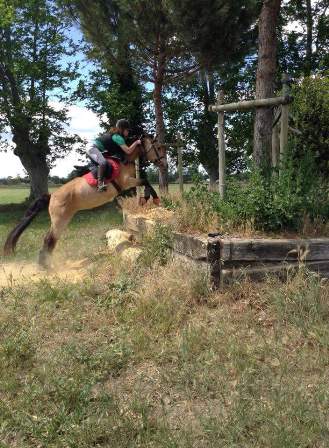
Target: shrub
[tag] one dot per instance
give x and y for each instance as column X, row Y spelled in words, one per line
column 156, row 247
column 268, row 203
column 310, row 110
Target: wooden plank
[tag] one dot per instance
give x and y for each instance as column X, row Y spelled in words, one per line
column 284, row 119
column 245, row 105
column 274, row 250
column 275, row 146
column 190, row 245
column 281, row 269
column 180, row 170
column 221, row 146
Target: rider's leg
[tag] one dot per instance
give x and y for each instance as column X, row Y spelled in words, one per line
column 95, row 155
column 101, row 176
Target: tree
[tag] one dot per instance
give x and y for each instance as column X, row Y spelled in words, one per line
column 265, row 81
column 304, row 49
column 310, row 110
column 32, row 78
column 111, row 100
column 186, row 111
column 153, row 32
column 113, row 91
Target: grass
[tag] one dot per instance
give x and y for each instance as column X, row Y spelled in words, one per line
column 16, row 194
column 147, row 355
column 84, row 236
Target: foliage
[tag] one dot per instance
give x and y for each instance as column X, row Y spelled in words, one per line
column 33, row 77
column 273, row 203
column 281, row 201
column 6, row 12
column 156, row 246
column 303, row 40
column 310, row 111
column 202, row 26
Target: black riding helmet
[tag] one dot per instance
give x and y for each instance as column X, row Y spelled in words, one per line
column 123, row 124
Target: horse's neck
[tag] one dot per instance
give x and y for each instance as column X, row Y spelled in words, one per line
column 133, row 156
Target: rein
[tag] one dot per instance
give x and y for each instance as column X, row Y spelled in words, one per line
column 155, row 150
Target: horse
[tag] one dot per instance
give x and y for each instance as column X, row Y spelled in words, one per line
column 78, row 195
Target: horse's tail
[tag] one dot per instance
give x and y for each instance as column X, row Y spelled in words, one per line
column 38, row 205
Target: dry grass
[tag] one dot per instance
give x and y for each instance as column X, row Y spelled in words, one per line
column 148, row 355
column 151, row 357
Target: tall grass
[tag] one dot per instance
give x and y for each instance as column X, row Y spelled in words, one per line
column 149, row 355
column 146, row 354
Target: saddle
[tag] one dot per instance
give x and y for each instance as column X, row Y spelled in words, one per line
column 111, row 173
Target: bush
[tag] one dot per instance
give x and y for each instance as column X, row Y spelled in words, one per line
column 272, row 203
column 157, row 246
column 310, row 110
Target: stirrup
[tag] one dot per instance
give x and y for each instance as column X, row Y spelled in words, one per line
column 101, row 187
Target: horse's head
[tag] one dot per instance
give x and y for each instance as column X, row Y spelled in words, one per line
column 154, row 151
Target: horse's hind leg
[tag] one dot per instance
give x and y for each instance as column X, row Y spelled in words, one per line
column 58, row 225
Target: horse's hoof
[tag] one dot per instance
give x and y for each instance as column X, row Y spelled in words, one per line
column 142, row 201
column 156, row 201
column 44, row 262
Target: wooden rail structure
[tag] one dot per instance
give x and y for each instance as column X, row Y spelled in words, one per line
column 279, row 142
column 227, row 259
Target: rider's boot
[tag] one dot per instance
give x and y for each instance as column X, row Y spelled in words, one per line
column 100, row 178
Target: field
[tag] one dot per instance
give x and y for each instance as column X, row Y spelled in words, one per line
column 17, row 194
column 115, row 354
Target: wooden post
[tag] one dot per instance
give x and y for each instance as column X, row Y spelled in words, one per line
column 275, row 146
column 284, row 118
column 221, row 146
column 180, row 168
column 138, row 189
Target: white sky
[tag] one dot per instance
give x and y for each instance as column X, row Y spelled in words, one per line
column 83, row 122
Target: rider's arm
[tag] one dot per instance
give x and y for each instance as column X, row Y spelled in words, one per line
column 121, row 142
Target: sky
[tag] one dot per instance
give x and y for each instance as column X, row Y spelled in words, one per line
column 83, row 122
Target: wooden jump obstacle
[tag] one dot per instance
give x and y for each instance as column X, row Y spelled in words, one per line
column 221, row 108
column 227, row 259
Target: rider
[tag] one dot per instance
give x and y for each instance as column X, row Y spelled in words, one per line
column 111, row 144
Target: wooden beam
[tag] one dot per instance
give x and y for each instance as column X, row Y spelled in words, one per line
column 275, row 146
column 179, row 145
column 221, row 146
column 263, row 250
column 284, row 118
column 245, row 105
column 180, row 169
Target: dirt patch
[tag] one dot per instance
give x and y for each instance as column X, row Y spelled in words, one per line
column 13, row 274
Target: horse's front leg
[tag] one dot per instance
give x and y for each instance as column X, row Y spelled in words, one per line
column 132, row 182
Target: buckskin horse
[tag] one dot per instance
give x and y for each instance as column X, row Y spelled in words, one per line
column 77, row 195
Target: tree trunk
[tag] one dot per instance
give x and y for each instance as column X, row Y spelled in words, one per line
column 38, row 172
column 309, row 39
column 265, row 79
column 159, row 121
column 160, row 130
column 39, row 180
column 213, row 177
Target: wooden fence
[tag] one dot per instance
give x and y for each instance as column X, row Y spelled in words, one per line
column 279, row 142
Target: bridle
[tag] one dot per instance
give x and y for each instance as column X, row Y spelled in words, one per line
column 146, row 151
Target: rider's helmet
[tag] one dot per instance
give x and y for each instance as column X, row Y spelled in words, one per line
column 123, row 124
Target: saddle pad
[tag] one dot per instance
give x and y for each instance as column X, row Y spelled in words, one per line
column 115, row 173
